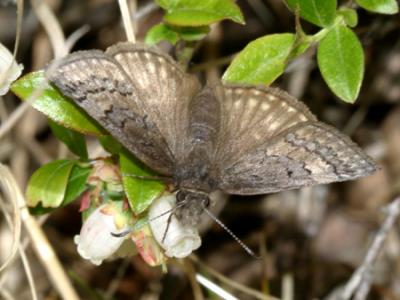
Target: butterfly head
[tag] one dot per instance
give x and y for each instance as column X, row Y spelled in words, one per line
column 191, row 205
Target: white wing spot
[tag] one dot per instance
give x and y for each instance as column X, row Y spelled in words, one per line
column 290, row 109
column 303, row 118
column 265, row 106
column 236, row 104
column 161, row 60
column 271, row 98
column 252, row 102
column 257, row 136
column 256, row 93
column 273, row 126
column 163, row 72
column 239, row 92
column 147, row 55
column 151, row 67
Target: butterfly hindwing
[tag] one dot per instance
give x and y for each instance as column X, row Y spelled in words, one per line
column 253, row 115
column 286, row 148
column 98, row 84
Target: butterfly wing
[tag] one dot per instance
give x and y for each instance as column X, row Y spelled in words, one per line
column 112, row 96
column 165, row 89
column 271, row 142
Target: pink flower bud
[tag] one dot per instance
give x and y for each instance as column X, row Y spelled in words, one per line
column 148, row 247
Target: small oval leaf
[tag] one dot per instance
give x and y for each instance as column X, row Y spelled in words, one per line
column 161, row 32
column 341, row 62
column 349, row 15
column 76, row 183
column 172, row 34
column 319, row 12
column 262, row 60
column 389, row 7
column 48, row 184
column 54, row 105
column 140, row 192
column 199, row 13
column 74, row 140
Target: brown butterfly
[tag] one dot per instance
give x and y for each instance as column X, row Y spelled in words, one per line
column 240, row 139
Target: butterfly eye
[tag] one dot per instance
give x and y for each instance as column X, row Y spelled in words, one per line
column 206, row 201
column 180, row 196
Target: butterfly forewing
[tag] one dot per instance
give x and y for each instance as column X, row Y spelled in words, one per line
column 98, row 83
column 165, row 89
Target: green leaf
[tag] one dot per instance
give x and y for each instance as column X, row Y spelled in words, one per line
column 74, row 140
column 172, row 34
column 191, row 34
column 110, row 144
column 349, row 15
column 39, row 210
column 163, row 3
column 161, row 32
column 140, row 192
column 380, row 6
column 262, row 60
column 341, row 61
column 76, row 183
column 199, row 13
column 48, row 184
column 54, row 105
column 318, row 12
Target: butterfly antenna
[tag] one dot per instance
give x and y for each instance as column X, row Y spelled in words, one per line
column 171, row 210
column 239, row 241
column 167, row 228
column 128, row 231
column 149, row 177
column 121, row 234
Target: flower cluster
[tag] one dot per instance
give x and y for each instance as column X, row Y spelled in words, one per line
column 111, row 229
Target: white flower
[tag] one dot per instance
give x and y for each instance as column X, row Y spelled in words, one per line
column 95, row 241
column 179, row 240
column 9, row 70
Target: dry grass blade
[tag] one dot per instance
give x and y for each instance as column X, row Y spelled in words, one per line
column 360, row 282
column 39, row 241
column 244, row 289
column 126, row 18
column 22, row 254
column 52, row 27
column 13, row 193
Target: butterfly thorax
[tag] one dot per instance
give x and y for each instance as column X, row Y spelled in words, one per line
column 191, row 204
column 195, row 173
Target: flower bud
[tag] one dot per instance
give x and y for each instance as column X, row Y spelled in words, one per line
column 148, row 247
column 176, row 239
column 9, row 70
column 95, row 241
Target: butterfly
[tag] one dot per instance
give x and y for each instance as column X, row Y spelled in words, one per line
column 240, row 139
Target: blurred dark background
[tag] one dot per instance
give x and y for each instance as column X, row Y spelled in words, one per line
column 313, row 238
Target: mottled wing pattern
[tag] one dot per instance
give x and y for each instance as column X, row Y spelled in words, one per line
column 165, row 89
column 99, row 84
column 286, row 148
